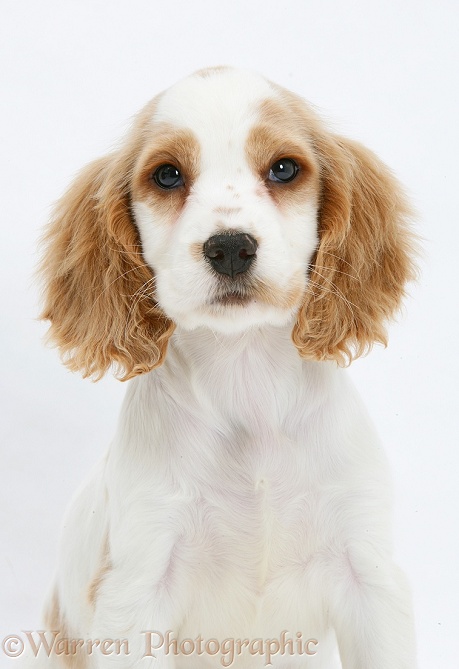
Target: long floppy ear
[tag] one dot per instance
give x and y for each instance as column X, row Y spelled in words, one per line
column 97, row 286
column 364, row 258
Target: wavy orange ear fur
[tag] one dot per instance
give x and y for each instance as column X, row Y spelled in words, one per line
column 97, row 286
column 364, row 258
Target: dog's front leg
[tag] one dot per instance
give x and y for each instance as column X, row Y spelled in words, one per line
column 370, row 608
column 136, row 611
column 138, row 632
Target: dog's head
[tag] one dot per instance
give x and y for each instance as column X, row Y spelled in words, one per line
column 229, row 205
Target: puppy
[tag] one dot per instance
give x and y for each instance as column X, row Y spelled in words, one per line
column 230, row 257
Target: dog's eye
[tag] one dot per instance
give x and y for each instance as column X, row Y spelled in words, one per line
column 283, row 170
column 168, row 176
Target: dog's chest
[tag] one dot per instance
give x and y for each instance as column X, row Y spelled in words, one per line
column 247, row 534
column 233, row 494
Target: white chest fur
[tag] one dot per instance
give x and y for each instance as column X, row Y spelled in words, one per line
column 234, row 487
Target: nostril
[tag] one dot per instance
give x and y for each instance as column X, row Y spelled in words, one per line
column 248, row 250
column 248, row 247
column 216, row 254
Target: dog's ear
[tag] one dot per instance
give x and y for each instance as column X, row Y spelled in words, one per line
column 364, row 258
column 97, row 286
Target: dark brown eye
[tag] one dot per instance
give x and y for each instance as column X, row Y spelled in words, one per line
column 167, row 177
column 283, row 170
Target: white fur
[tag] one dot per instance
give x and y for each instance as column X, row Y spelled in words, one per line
column 245, row 492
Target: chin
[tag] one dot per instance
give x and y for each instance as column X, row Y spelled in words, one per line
column 235, row 318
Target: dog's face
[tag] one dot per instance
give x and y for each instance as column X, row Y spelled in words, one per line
column 229, row 205
column 225, row 195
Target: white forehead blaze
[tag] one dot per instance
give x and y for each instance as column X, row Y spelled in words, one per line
column 220, row 109
column 227, row 96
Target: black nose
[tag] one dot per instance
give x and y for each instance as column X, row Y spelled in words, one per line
column 230, row 253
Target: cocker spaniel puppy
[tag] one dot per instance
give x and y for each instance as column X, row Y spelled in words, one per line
column 230, row 257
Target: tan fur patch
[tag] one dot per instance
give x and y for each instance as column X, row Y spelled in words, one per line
column 270, row 293
column 226, row 211
column 276, row 136
column 104, row 567
column 166, row 145
column 211, row 71
column 196, row 251
column 98, row 288
column 54, row 622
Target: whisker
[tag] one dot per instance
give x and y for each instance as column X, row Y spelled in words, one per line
column 338, row 271
column 120, row 276
column 141, row 293
column 327, row 253
column 127, row 251
column 334, row 290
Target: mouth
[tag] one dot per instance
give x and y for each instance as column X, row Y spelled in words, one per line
column 231, row 298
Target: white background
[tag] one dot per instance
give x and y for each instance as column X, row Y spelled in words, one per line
column 73, row 73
